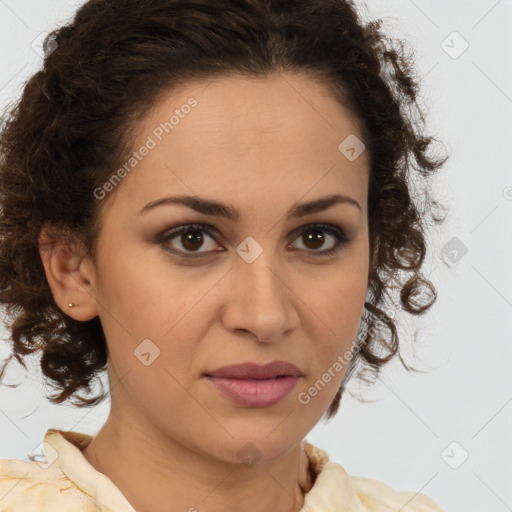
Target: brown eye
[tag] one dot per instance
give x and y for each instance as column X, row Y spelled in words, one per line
column 314, row 237
column 192, row 240
column 188, row 240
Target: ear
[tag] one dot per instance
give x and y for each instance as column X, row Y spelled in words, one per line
column 70, row 274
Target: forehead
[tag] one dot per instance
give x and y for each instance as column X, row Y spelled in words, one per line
column 237, row 134
column 235, row 109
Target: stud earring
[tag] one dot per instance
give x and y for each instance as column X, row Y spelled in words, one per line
column 71, row 304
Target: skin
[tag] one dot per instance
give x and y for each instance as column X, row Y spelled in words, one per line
column 261, row 145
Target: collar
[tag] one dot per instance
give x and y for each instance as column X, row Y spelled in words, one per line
column 67, row 446
column 332, row 488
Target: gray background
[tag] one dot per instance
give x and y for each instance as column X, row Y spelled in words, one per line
column 419, row 428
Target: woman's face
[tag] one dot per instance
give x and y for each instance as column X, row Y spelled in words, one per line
column 258, row 287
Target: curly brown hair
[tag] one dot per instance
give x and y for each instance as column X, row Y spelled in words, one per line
column 75, row 121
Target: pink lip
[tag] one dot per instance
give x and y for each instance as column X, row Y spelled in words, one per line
column 256, row 371
column 253, row 385
column 255, row 392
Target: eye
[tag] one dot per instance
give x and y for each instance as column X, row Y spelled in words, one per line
column 313, row 237
column 192, row 237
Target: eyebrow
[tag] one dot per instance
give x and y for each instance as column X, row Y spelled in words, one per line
column 218, row 209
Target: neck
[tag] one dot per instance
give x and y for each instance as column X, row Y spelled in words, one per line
column 154, row 471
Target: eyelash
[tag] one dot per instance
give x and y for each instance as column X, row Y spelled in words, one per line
column 164, row 238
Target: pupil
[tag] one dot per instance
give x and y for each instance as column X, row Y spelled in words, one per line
column 190, row 238
column 317, row 239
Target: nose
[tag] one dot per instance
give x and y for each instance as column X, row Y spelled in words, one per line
column 259, row 299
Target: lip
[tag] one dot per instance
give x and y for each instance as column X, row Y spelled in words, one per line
column 253, row 385
column 256, row 371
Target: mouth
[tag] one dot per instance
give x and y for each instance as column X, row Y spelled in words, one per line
column 252, row 385
column 255, row 392
column 256, row 371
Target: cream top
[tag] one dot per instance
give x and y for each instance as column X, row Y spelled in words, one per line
column 67, row 482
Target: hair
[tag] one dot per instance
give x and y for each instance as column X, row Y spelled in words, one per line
column 76, row 119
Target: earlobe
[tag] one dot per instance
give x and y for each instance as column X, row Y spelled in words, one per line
column 69, row 276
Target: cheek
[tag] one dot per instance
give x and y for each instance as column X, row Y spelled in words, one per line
column 346, row 308
column 134, row 287
column 332, row 342
column 335, row 312
column 145, row 298
column 339, row 300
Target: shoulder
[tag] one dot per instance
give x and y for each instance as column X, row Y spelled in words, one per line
column 335, row 489
column 28, row 486
column 377, row 495
column 39, row 483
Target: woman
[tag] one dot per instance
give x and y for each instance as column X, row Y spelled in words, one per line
column 214, row 199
